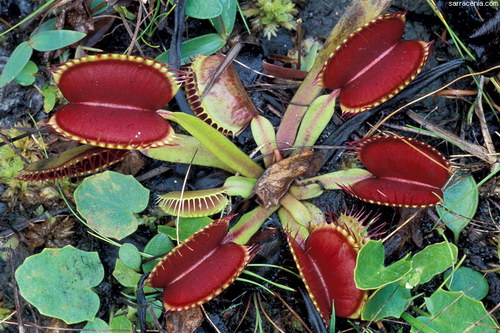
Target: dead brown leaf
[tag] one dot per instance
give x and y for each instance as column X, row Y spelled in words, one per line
column 130, row 165
column 77, row 16
column 186, row 321
column 53, row 232
column 275, row 181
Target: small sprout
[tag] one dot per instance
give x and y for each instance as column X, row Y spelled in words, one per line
column 113, row 101
column 78, row 161
column 269, row 15
column 226, row 106
column 193, row 203
column 326, row 262
column 373, row 64
column 200, row 268
column 406, row 172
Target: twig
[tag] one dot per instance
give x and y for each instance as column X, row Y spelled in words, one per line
column 16, row 293
column 24, row 224
column 299, row 43
column 477, row 323
column 267, row 316
column 153, row 173
column 136, row 32
column 418, row 211
column 24, row 135
column 125, row 24
column 6, row 139
column 294, row 313
column 372, row 130
column 488, row 142
column 228, row 60
column 410, row 130
column 476, row 150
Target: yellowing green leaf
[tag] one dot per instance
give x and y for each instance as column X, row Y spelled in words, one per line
column 108, row 202
column 59, row 282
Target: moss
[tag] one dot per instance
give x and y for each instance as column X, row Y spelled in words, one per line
column 269, row 15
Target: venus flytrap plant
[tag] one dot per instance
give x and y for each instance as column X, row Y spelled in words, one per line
column 273, row 185
column 216, row 250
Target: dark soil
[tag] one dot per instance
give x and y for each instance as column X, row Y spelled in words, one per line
column 478, row 241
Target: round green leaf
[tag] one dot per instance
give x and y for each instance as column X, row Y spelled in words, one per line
column 390, row 301
column 120, row 322
column 130, row 256
column 228, row 16
column 187, row 226
column 126, row 276
column 453, row 312
column 16, row 63
column 45, row 26
column 157, row 307
column 471, row 282
column 206, row 44
column 158, row 245
column 108, row 202
column 26, row 77
column 54, row 39
column 59, row 282
column 459, row 204
column 434, row 259
column 202, row 9
column 49, row 98
column 96, row 324
column 370, row 272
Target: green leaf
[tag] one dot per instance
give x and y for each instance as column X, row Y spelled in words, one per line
column 242, row 186
column 96, row 3
column 108, row 202
column 121, row 322
column 312, row 187
column 471, row 282
column 189, row 150
column 317, row 116
column 96, row 324
column 207, row 44
column 16, row 63
column 390, row 301
column 218, row 144
column 157, row 307
column 202, row 9
column 160, row 244
column 370, row 272
column 26, row 77
column 125, row 275
column 55, row 39
column 264, row 136
column 459, row 204
column 332, row 319
column 59, row 282
column 47, row 25
column 187, row 227
column 250, row 223
column 130, row 256
column 431, row 261
column 453, row 312
column 49, row 98
column 311, row 57
column 228, row 16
